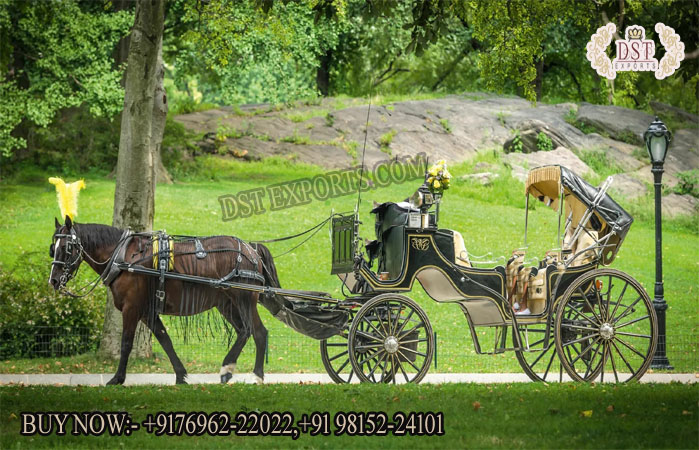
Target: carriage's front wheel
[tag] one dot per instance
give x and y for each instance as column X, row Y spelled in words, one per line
column 391, row 340
column 538, row 357
column 605, row 326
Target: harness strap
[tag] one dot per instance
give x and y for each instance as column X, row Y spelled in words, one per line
column 112, row 271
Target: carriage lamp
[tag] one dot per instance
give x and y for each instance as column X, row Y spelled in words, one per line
column 657, row 139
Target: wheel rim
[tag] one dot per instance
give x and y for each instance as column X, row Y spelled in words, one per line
column 391, row 341
column 610, row 316
column 539, row 359
column 335, row 356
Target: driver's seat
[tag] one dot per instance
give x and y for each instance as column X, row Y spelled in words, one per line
column 460, row 253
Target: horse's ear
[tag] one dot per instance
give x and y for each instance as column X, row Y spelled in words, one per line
column 69, row 223
column 58, row 224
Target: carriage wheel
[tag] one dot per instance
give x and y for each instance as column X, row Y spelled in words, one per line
column 539, row 359
column 335, row 356
column 606, row 326
column 391, row 340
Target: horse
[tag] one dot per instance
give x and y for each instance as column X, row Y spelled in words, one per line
column 134, row 294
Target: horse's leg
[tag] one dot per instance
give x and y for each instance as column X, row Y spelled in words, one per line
column 163, row 338
column 130, row 316
column 259, row 334
column 242, row 336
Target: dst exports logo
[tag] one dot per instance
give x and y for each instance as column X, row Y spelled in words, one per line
column 635, row 53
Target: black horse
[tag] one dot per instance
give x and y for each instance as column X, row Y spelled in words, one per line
column 134, row 294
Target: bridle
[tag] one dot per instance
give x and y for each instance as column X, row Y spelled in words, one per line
column 72, row 259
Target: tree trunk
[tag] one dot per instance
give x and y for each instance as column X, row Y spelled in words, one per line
column 539, row 80
column 158, row 126
column 135, row 174
column 323, row 74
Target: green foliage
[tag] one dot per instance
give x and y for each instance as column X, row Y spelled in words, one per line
column 302, row 116
column 598, row 161
column 517, row 30
column 75, row 144
column 56, row 55
column 517, row 145
column 501, row 117
column 543, row 142
column 385, row 141
column 297, row 139
column 688, row 183
column 572, row 118
column 446, row 125
column 34, row 319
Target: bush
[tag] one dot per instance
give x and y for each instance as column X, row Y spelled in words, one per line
column 35, row 321
column 688, row 183
column 543, row 142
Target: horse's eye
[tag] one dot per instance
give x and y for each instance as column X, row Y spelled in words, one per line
column 52, row 250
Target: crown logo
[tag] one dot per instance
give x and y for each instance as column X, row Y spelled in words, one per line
column 635, row 32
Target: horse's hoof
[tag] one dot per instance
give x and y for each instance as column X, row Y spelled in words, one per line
column 115, row 381
column 180, row 381
column 225, row 378
column 258, row 379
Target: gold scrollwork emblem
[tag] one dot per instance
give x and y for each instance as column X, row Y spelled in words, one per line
column 421, row 244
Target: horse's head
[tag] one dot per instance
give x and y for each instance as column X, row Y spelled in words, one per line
column 66, row 252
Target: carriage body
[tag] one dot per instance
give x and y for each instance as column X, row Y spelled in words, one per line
column 410, row 247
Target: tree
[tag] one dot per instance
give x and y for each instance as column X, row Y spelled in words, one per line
column 142, row 125
column 55, row 55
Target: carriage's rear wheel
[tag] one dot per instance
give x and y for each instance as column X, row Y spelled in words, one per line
column 605, row 327
column 391, row 340
column 335, row 355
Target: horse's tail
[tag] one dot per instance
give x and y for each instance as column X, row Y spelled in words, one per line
column 268, row 267
column 272, row 302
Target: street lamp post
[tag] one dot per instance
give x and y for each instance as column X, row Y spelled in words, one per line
column 657, row 139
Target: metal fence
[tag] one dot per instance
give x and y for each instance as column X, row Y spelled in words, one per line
column 286, row 351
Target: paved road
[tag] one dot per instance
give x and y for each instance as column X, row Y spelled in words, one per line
column 296, row 378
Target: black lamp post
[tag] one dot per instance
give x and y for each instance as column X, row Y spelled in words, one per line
column 657, row 139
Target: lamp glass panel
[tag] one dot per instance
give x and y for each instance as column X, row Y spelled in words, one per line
column 658, row 146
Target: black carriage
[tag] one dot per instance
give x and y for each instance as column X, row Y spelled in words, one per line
column 581, row 322
column 575, row 320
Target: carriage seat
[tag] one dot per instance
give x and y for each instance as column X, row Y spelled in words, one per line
column 460, row 253
column 588, row 238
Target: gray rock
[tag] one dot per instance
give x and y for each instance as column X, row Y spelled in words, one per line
column 561, row 156
column 628, row 186
column 675, row 205
column 484, row 178
column 620, row 123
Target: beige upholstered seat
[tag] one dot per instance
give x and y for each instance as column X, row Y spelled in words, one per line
column 460, row 253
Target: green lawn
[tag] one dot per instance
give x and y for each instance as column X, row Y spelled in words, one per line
column 475, row 416
column 491, row 219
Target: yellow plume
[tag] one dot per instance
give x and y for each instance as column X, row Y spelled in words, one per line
column 67, row 196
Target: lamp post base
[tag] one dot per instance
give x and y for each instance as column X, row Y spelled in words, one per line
column 660, row 361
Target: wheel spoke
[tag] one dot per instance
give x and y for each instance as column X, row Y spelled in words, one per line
column 589, row 305
column 370, row 357
column 548, row 366
column 577, row 340
column 622, row 357
column 365, row 320
column 424, row 355
column 343, row 366
column 630, row 347
column 589, row 363
column 618, row 302
column 645, row 336
column 407, row 319
column 627, row 311
column 611, row 359
column 336, row 344
column 537, row 359
column 409, row 361
column 364, row 334
column 632, row 321
column 587, row 349
column 580, row 314
column 407, row 333
column 413, row 341
column 337, row 356
column 393, row 368
column 378, row 363
column 578, row 327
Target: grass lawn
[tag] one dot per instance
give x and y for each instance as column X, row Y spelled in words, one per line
column 480, row 416
column 491, row 219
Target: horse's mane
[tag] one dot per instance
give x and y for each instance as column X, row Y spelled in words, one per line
column 95, row 235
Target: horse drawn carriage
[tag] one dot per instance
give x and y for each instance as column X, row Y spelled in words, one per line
column 563, row 315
